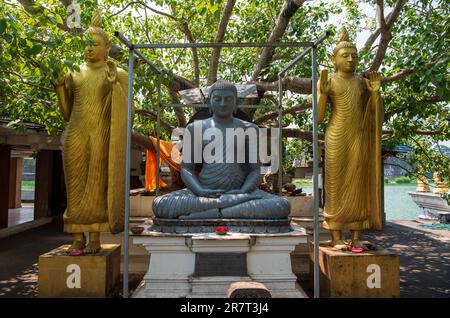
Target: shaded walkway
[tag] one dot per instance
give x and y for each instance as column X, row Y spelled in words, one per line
column 424, row 259
column 19, row 257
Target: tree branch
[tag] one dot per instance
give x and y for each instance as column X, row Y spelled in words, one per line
column 213, row 64
column 123, row 9
column 295, row 84
column 390, row 19
column 168, row 15
column 33, row 8
column 150, row 114
column 272, row 115
column 297, row 133
column 386, row 34
column 417, row 132
column 179, row 83
column 22, row 80
column 385, row 37
column 432, row 99
column 142, row 142
column 404, row 73
column 190, row 38
column 289, row 9
column 179, row 114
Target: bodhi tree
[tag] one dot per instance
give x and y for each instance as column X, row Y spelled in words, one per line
column 407, row 43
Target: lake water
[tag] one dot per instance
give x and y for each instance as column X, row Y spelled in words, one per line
column 398, row 204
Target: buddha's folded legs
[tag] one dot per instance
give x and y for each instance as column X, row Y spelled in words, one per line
column 208, row 214
column 267, row 206
column 184, row 204
column 181, row 202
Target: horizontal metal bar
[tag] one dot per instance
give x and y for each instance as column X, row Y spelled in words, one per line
column 212, row 45
column 132, row 47
column 206, row 106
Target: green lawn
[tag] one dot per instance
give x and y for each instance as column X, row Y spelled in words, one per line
column 27, row 185
column 302, row 182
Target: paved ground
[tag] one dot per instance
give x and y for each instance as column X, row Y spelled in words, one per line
column 19, row 257
column 424, row 259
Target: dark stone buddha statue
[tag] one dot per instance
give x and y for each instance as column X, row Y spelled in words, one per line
column 225, row 183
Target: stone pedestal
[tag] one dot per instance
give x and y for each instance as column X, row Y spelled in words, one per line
column 205, row 264
column 61, row 275
column 368, row 274
column 431, row 205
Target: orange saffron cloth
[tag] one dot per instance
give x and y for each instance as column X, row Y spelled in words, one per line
column 165, row 154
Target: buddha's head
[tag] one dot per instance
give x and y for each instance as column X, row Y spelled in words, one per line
column 99, row 43
column 222, row 100
column 345, row 55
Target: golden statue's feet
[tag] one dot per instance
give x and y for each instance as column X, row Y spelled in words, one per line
column 339, row 245
column 77, row 245
column 92, row 247
column 366, row 245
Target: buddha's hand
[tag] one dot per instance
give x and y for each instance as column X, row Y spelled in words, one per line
column 374, row 82
column 210, row 193
column 111, row 72
column 324, row 83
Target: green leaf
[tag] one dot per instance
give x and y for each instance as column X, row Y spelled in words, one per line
column 3, row 25
column 52, row 19
column 8, row 38
column 59, row 19
column 69, row 63
column 36, row 49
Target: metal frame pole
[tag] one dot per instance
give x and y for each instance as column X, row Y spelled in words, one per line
column 158, row 136
column 315, row 172
column 127, row 172
column 280, row 137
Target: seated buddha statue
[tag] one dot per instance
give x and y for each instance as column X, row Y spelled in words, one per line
column 226, row 184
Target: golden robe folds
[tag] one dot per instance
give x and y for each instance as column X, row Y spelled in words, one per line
column 94, row 149
column 352, row 157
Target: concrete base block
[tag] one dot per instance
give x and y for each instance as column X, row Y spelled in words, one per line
column 93, row 276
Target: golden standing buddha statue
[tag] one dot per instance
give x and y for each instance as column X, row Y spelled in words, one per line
column 352, row 147
column 94, row 103
column 440, row 186
column 422, row 184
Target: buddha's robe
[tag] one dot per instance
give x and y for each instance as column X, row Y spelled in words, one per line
column 353, row 157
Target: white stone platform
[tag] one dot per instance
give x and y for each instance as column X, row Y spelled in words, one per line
column 431, row 204
column 173, row 271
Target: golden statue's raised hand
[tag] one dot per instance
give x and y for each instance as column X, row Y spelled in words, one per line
column 324, row 84
column 374, row 82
